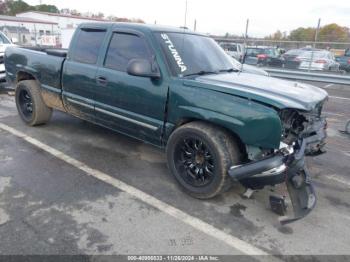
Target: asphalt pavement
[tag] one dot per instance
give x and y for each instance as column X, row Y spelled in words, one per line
column 70, row 187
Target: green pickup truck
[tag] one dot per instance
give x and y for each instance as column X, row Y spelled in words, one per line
column 178, row 90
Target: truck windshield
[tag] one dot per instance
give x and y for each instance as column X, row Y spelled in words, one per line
column 3, row 39
column 189, row 54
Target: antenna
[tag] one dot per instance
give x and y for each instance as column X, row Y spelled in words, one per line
column 185, row 24
column 184, row 27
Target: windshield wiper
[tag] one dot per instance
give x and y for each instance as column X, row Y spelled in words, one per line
column 202, row 72
column 229, row 70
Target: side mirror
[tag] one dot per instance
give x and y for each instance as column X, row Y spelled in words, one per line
column 14, row 40
column 143, row 68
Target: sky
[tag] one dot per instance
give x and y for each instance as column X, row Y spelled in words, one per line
column 220, row 16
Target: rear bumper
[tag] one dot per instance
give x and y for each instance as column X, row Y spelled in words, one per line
column 286, row 165
column 345, row 67
column 305, row 65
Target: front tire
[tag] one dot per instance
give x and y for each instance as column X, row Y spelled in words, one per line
column 199, row 156
column 30, row 105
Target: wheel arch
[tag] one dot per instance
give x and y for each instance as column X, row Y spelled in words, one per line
column 233, row 134
column 24, row 75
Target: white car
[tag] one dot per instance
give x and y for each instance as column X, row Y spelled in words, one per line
column 4, row 43
column 322, row 60
column 234, row 50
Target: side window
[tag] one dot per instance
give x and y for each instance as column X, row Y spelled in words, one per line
column 88, row 46
column 124, row 47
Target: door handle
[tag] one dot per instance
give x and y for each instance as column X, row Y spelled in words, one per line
column 102, row 80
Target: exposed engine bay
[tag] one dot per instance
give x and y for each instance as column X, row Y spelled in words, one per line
column 303, row 125
column 303, row 133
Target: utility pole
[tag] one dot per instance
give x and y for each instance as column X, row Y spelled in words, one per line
column 18, row 28
column 246, row 33
column 195, row 25
column 314, row 45
column 245, row 42
column 36, row 40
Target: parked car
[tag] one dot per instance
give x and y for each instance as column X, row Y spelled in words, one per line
column 318, row 60
column 291, row 58
column 217, row 124
column 234, row 50
column 4, row 43
column 344, row 61
column 263, row 56
column 250, row 69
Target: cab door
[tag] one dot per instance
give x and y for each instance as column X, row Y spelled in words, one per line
column 79, row 71
column 130, row 104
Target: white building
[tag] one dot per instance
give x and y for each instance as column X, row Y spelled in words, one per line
column 27, row 30
column 64, row 21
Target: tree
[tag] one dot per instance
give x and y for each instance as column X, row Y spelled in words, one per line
column 278, row 35
column 98, row 15
column 3, row 8
column 13, row 7
column 333, row 33
column 137, row 20
column 47, row 8
column 327, row 33
column 75, row 12
column 302, row 34
column 124, row 19
column 16, row 7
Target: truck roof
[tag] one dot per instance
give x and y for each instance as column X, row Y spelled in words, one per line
column 142, row 27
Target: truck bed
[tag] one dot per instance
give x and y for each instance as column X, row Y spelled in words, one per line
column 44, row 64
column 60, row 52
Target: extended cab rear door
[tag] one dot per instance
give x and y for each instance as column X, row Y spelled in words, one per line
column 132, row 105
column 79, row 71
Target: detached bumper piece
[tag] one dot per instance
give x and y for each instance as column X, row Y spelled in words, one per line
column 302, row 194
column 287, row 166
column 316, row 142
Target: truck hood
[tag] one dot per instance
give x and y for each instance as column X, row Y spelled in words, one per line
column 268, row 90
column 4, row 46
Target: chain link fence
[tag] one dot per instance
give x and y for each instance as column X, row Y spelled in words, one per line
column 311, row 56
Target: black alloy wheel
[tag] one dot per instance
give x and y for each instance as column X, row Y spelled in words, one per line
column 194, row 161
column 25, row 103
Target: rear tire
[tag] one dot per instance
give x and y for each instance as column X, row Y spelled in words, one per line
column 30, row 105
column 199, row 156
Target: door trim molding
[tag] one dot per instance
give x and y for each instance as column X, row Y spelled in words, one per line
column 80, row 103
column 126, row 119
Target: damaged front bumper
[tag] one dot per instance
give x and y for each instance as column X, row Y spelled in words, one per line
column 316, row 142
column 286, row 165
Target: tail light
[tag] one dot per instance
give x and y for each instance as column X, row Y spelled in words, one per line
column 349, row 61
column 262, row 56
column 321, row 61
